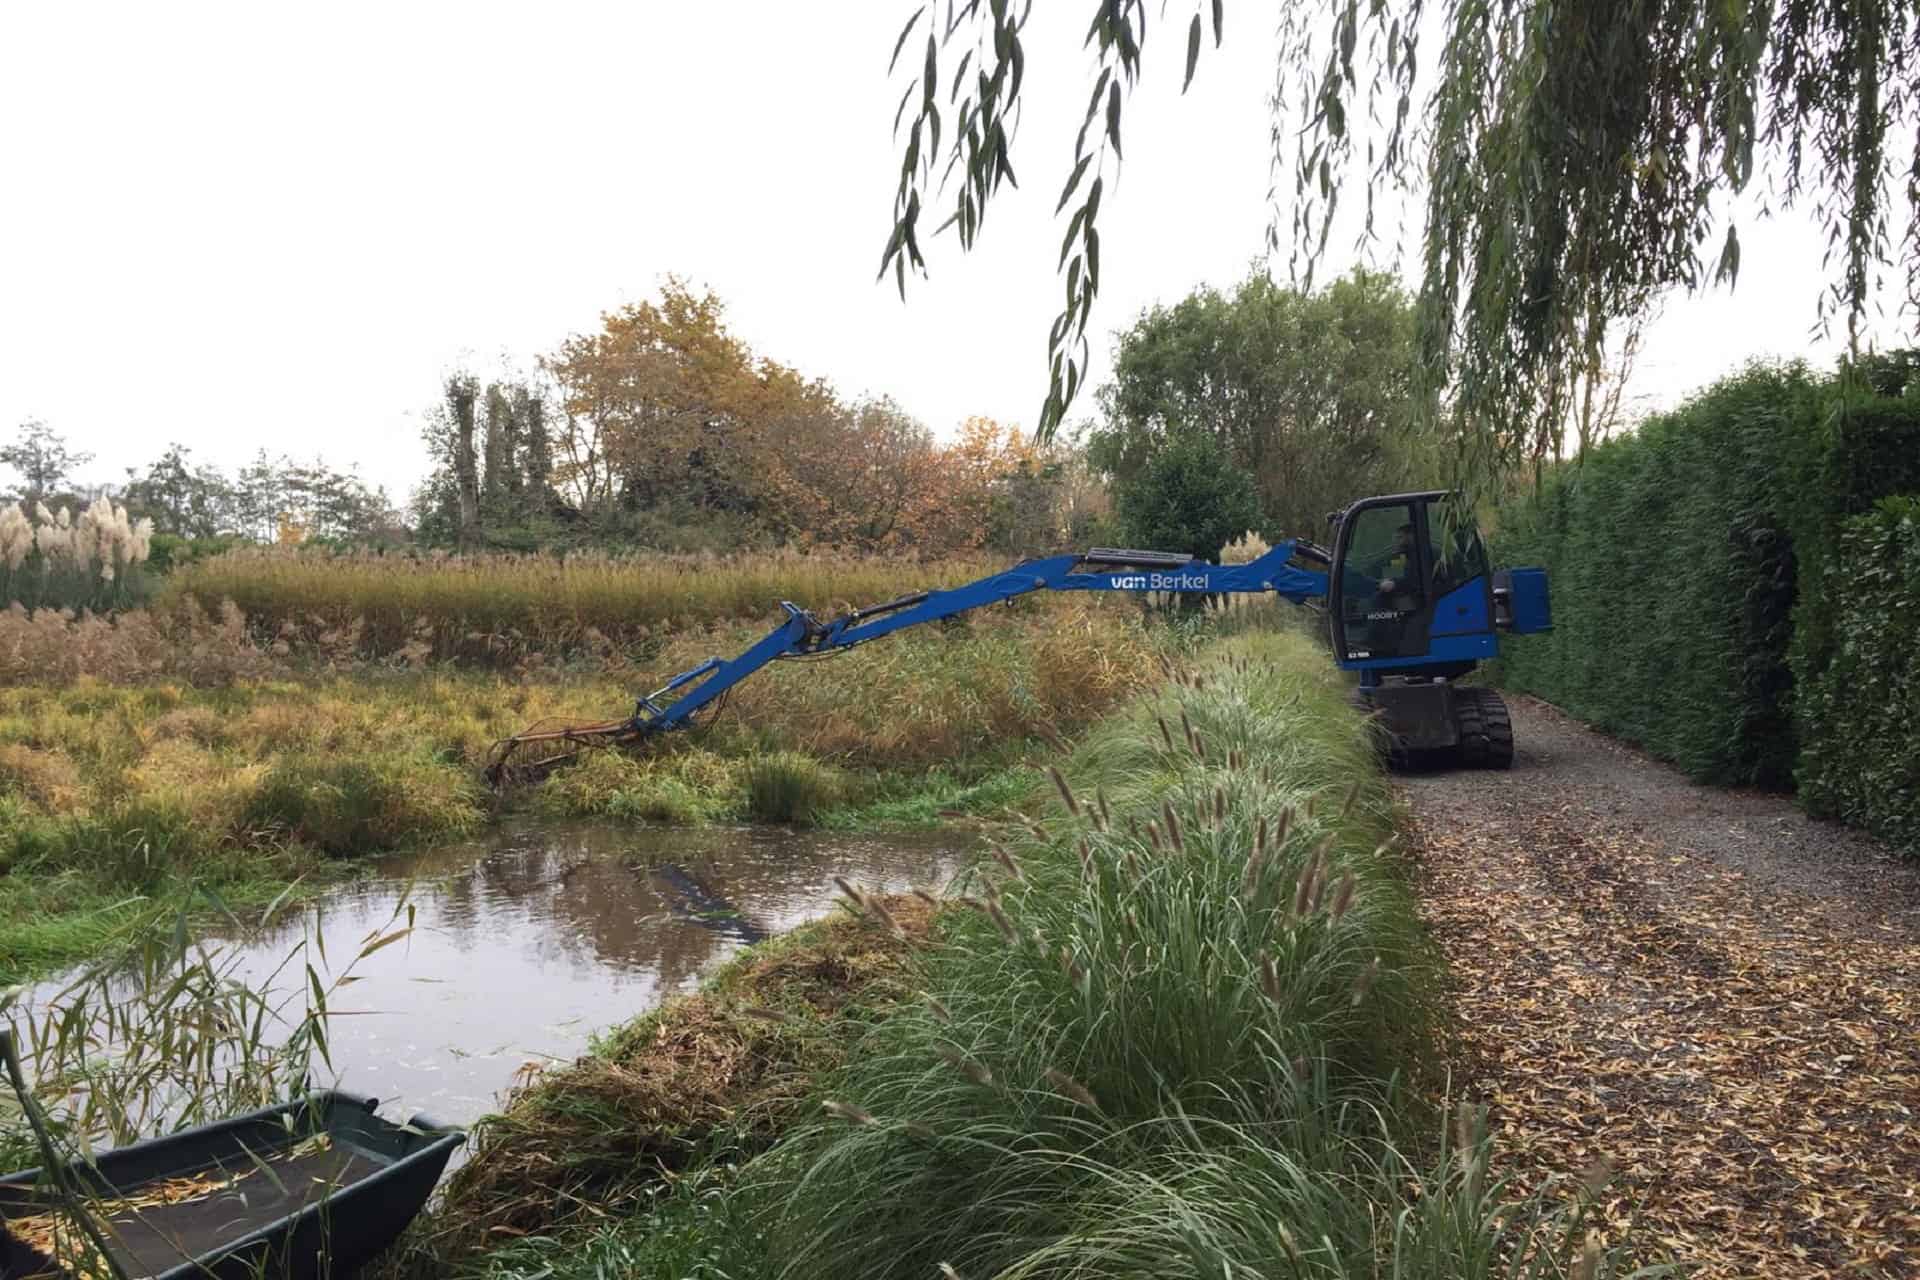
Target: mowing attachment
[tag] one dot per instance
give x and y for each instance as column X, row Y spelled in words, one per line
column 534, row 752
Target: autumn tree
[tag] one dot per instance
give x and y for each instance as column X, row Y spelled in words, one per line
column 654, row 403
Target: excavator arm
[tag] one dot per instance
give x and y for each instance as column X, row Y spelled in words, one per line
column 800, row 634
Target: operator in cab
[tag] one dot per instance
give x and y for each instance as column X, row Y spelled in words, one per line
column 1395, row 572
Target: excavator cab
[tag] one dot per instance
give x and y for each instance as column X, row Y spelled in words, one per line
column 1413, row 605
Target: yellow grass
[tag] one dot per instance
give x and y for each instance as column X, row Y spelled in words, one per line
column 501, row 608
column 355, row 762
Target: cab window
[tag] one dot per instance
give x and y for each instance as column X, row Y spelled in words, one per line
column 1382, row 590
column 1458, row 555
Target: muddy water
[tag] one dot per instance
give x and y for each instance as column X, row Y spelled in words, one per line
column 527, row 943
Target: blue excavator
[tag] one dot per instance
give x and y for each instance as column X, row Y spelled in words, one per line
column 1410, row 601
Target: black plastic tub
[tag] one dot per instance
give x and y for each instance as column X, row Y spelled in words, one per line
column 306, row 1189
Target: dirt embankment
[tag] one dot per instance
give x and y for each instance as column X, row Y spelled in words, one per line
column 1704, row 988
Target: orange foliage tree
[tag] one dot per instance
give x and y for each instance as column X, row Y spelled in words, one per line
column 668, row 411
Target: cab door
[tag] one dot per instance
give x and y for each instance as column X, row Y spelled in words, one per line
column 1380, row 581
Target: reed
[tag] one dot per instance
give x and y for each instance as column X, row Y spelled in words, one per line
column 171, row 1031
column 500, row 609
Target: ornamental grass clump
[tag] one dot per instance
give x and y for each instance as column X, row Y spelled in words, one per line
column 56, row 560
column 1180, row 1030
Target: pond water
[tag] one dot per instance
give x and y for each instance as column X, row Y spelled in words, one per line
column 527, row 943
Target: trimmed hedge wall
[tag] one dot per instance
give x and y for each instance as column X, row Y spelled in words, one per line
column 1700, row 573
column 1860, row 714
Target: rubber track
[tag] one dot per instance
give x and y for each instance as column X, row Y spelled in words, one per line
column 1497, row 730
column 1470, row 723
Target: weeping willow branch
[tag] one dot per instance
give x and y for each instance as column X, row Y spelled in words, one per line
column 1575, row 157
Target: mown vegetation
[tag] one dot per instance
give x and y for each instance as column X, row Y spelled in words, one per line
column 1715, row 578
column 1181, row 1025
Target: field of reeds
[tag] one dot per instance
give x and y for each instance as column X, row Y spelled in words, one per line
column 112, row 794
column 503, row 609
column 1179, row 1025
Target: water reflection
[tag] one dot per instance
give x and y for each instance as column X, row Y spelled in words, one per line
column 528, row 942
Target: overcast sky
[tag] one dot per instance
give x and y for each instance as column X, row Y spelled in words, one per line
column 246, row 226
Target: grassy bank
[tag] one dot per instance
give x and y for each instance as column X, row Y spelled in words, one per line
column 1181, row 1026
column 112, row 795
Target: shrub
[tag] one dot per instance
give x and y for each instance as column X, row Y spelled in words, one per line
column 1189, row 497
column 1861, row 711
column 1168, row 1036
column 786, row 786
column 346, row 807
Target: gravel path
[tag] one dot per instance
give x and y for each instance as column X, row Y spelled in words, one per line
column 1704, row 988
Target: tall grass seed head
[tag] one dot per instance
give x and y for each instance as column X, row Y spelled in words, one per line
column 1071, row 967
column 1250, row 878
column 1002, row 922
column 1071, row 1088
column 1005, row 859
column 1066, row 792
column 1364, row 982
column 16, row 535
column 848, row 1111
column 1343, row 896
column 1588, row 1265
column 878, row 910
column 976, row 1072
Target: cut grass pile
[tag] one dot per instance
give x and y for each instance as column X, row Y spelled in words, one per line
column 1181, row 1027
column 500, row 609
column 111, row 795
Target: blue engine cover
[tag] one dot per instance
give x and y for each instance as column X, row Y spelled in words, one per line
column 1532, row 611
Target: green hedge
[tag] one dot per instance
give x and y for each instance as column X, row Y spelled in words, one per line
column 1861, row 713
column 1697, row 567
column 1670, row 557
